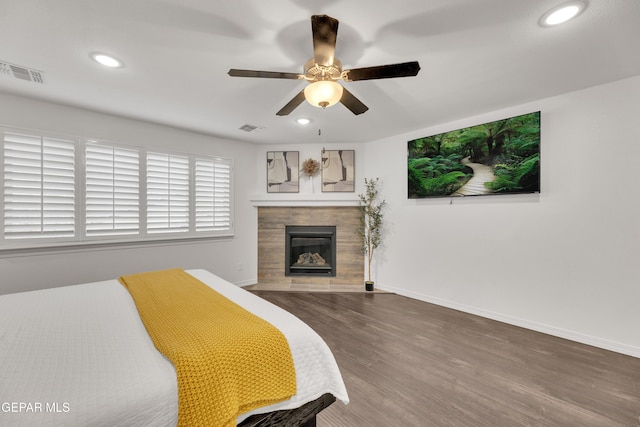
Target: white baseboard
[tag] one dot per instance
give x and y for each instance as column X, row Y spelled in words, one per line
column 244, row 283
column 538, row 327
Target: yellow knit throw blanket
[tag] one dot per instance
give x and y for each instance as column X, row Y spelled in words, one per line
column 228, row 360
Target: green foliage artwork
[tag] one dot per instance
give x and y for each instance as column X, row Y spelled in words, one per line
column 501, row 157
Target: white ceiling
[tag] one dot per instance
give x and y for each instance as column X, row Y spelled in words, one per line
column 476, row 56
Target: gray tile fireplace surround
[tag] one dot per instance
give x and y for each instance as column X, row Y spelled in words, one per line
column 272, row 221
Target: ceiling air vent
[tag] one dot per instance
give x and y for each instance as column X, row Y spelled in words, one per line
column 22, row 73
column 250, row 128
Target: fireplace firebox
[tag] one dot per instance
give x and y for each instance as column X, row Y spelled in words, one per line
column 310, row 250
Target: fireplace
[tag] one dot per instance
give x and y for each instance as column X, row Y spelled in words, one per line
column 272, row 222
column 310, row 250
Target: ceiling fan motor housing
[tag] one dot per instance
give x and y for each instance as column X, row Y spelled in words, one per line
column 314, row 72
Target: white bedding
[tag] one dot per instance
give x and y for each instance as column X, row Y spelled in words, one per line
column 79, row 355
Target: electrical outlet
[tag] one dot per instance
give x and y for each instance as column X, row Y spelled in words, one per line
column 240, row 266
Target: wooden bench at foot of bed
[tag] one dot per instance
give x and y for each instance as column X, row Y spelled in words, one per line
column 304, row 416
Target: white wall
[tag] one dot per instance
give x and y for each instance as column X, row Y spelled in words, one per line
column 56, row 268
column 563, row 262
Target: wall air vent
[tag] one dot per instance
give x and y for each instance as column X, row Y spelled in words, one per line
column 22, row 73
column 250, row 128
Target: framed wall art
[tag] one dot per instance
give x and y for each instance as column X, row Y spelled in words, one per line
column 499, row 157
column 282, row 172
column 338, row 170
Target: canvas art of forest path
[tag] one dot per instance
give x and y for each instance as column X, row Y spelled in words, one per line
column 499, row 157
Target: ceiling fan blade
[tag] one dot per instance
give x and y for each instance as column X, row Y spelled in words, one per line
column 264, row 74
column 292, row 105
column 405, row 69
column 352, row 103
column 325, row 32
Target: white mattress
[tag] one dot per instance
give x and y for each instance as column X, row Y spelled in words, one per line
column 80, row 356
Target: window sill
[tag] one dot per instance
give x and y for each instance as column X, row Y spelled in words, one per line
column 74, row 247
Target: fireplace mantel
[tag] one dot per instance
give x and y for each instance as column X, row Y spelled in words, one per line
column 305, row 201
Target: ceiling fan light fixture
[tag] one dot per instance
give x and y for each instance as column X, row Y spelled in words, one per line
column 324, row 70
column 323, row 93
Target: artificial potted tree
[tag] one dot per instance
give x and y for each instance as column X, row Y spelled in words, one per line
column 371, row 217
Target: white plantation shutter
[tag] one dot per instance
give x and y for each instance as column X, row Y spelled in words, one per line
column 38, row 186
column 167, row 193
column 61, row 190
column 112, row 201
column 212, row 194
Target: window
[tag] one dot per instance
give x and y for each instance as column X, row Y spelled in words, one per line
column 58, row 190
column 213, row 194
column 167, row 193
column 112, row 201
column 38, row 187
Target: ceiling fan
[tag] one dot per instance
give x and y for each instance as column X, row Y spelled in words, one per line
column 324, row 70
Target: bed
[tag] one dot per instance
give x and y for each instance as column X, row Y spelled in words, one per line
column 80, row 355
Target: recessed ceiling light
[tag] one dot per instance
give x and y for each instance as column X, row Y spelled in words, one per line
column 303, row 121
column 562, row 13
column 106, row 60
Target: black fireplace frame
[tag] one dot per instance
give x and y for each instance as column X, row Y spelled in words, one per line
column 310, row 231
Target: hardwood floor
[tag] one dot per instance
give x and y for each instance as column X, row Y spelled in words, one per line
column 410, row 363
